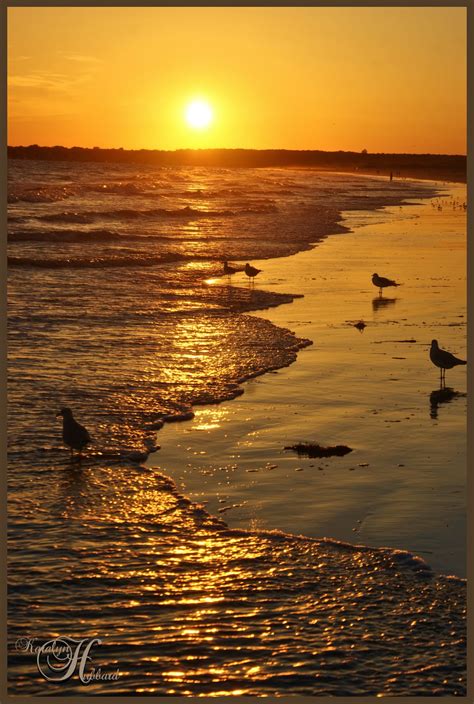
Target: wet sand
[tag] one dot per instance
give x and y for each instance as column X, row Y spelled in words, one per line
column 403, row 485
column 184, row 604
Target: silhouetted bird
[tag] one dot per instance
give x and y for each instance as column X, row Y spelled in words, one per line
column 443, row 359
column 381, row 282
column 229, row 270
column 74, row 434
column 251, row 271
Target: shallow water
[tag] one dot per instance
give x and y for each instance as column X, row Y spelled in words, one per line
column 123, row 328
column 376, row 391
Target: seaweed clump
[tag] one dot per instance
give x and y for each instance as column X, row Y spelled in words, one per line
column 313, row 449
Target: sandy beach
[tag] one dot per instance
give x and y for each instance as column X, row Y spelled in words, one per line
column 236, row 465
column 375, row 391
column 227, row 564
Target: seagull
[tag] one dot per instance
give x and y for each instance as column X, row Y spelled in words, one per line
column 382, row 282
column 443, row 359
column 229, row 270
column 74, row 434
column 251, row 271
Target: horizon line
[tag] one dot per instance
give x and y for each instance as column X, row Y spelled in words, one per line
column 364, row 152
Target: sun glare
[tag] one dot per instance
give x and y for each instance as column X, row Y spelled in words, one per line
column 199, row 114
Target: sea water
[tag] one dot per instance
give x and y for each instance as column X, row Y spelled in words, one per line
column 114, row 311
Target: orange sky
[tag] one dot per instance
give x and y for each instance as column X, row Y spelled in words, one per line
column 381, row 79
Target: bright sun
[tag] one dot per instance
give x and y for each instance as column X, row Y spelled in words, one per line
column 198, row 114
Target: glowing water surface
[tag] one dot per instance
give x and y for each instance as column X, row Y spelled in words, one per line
column 109, row 313
column 376, row 391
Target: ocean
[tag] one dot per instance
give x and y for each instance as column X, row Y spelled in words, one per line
column 118, row 309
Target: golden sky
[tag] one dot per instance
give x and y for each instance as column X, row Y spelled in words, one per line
column 381, row 79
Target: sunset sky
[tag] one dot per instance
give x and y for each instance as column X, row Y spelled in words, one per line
column 381, row 79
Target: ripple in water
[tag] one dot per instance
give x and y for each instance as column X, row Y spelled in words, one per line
column 183, row 604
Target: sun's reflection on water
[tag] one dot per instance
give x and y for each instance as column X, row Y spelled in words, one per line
column 217, row 612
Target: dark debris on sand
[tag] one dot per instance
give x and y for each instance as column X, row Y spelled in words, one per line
column 312, row 449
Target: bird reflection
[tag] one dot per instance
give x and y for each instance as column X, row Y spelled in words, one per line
column 381, row 302
column 439, row 396
column 72, row 493
column 230, row 295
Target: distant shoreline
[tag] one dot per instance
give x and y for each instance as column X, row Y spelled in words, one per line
column 415, row 173
column 435, row 167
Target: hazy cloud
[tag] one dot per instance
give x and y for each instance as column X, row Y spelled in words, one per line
column 82, row 58
column 46, row 80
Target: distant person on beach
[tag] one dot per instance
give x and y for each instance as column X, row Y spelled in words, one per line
column 391, row 175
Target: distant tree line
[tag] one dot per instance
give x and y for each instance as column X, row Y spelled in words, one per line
column 447, row 165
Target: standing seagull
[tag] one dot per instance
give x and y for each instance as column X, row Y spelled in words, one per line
column 381, row 282
column 74, row 434
column 229, row 270
column 251, row 271
column 443, row 359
